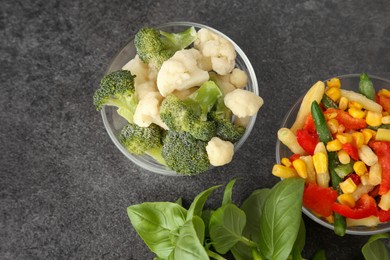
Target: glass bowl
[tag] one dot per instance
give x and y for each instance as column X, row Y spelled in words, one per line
column 114, row 123
column 349, row 82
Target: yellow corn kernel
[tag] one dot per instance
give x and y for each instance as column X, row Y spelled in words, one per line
column 333, row 93
column 367, row 133
column 333, row 125
column 373, row 118
column 320, row 161
column 360, row 168
column 384, row 92
column 385, row 120
column 344, row 157
column 300, row 167
column 367, row 155
column 341, row 129
column 356, row 113
column 333, row 83
column 358, row 138
column 383, row 135
column 375, row 174
column 284, row 172
column 334, row 145
column 329, row 116
column 348, row 186
column 343, row 103
column 354, row 104
column 344, row 138
column 347, row 200
column 286, row 162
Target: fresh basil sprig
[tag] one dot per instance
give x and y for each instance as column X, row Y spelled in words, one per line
column 267, row 226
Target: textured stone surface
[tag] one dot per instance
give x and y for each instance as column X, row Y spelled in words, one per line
column 64, row 186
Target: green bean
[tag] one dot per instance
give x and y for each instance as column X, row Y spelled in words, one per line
column 325, row 136
column 366, row 87
column 328, row 102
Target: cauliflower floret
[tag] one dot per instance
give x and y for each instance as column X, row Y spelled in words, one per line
column 242, row 121
column 223, row 82
column 219, row 50
column 238, row 78
column 145, row 76
column 243, row 103
column 219, row 152
column 181, row 72
column 148, row 111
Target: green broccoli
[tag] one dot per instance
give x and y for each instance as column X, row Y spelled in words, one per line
column 226, row 130
column 190, row 115
column 154, row 46
column 184, row 154
column 117, row 89
column 143, row 140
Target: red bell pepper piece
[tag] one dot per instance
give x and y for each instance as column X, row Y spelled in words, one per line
column 384, row 215
column 307, row 140
column 349, row 122
column 354, row 177
column 384, row 102
column 365, row 207
column 319, row 199
column 309, row 124
column 294, row 157
column 382, row 150
column 351, row 150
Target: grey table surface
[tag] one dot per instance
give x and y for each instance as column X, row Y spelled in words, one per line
column 64, row 186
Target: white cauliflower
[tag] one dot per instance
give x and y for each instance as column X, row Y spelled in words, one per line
column 148, row 111
column 219, row 152
column 223, row 82
column 219, row 50
column 181, row 72
column 243, row 103
column 238, row 78
column 145, row 76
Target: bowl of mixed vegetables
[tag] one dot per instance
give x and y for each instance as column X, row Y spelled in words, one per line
column 179, row 99
column 337, row 137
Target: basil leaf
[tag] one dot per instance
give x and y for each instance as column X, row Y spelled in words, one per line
column 206, row 215
column 199, row 227
column 157, row 223
column 226, row 226
column 252, row 208
column 375, row 248
column 279, row 223
column 299, row 242
column 188, row 245
column 199, row 201
column 179, row 201
column 227, row 195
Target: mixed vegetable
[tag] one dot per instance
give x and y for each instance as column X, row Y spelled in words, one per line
column 340, row 144
column 184, row 100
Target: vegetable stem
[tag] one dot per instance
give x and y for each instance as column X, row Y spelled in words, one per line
column 214, row 255
column 248, row 242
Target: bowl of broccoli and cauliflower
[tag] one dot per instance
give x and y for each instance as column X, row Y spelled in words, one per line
column 179, row 99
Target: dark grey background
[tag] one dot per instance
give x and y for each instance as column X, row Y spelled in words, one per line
column 64, row 187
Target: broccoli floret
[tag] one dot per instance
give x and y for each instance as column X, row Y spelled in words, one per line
column 190, row 115
column 143, row 140
column 184, row 154
column 154, row 46
column 117, row 89
column 226, row 130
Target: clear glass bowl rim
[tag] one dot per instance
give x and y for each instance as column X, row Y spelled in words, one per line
column 162, row 170
column 377, row 229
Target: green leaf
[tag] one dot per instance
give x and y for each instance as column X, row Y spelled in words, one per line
column 188, row 245
column 206, row 215
column 227, row 195
column 252, row 208
column 280, row 221
column 157, row 223
column 179, row 201
column 226, row 226
column 196, row 207
column 319, row 255
column 199, row 227
column 299, row 242
column 375, row 248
